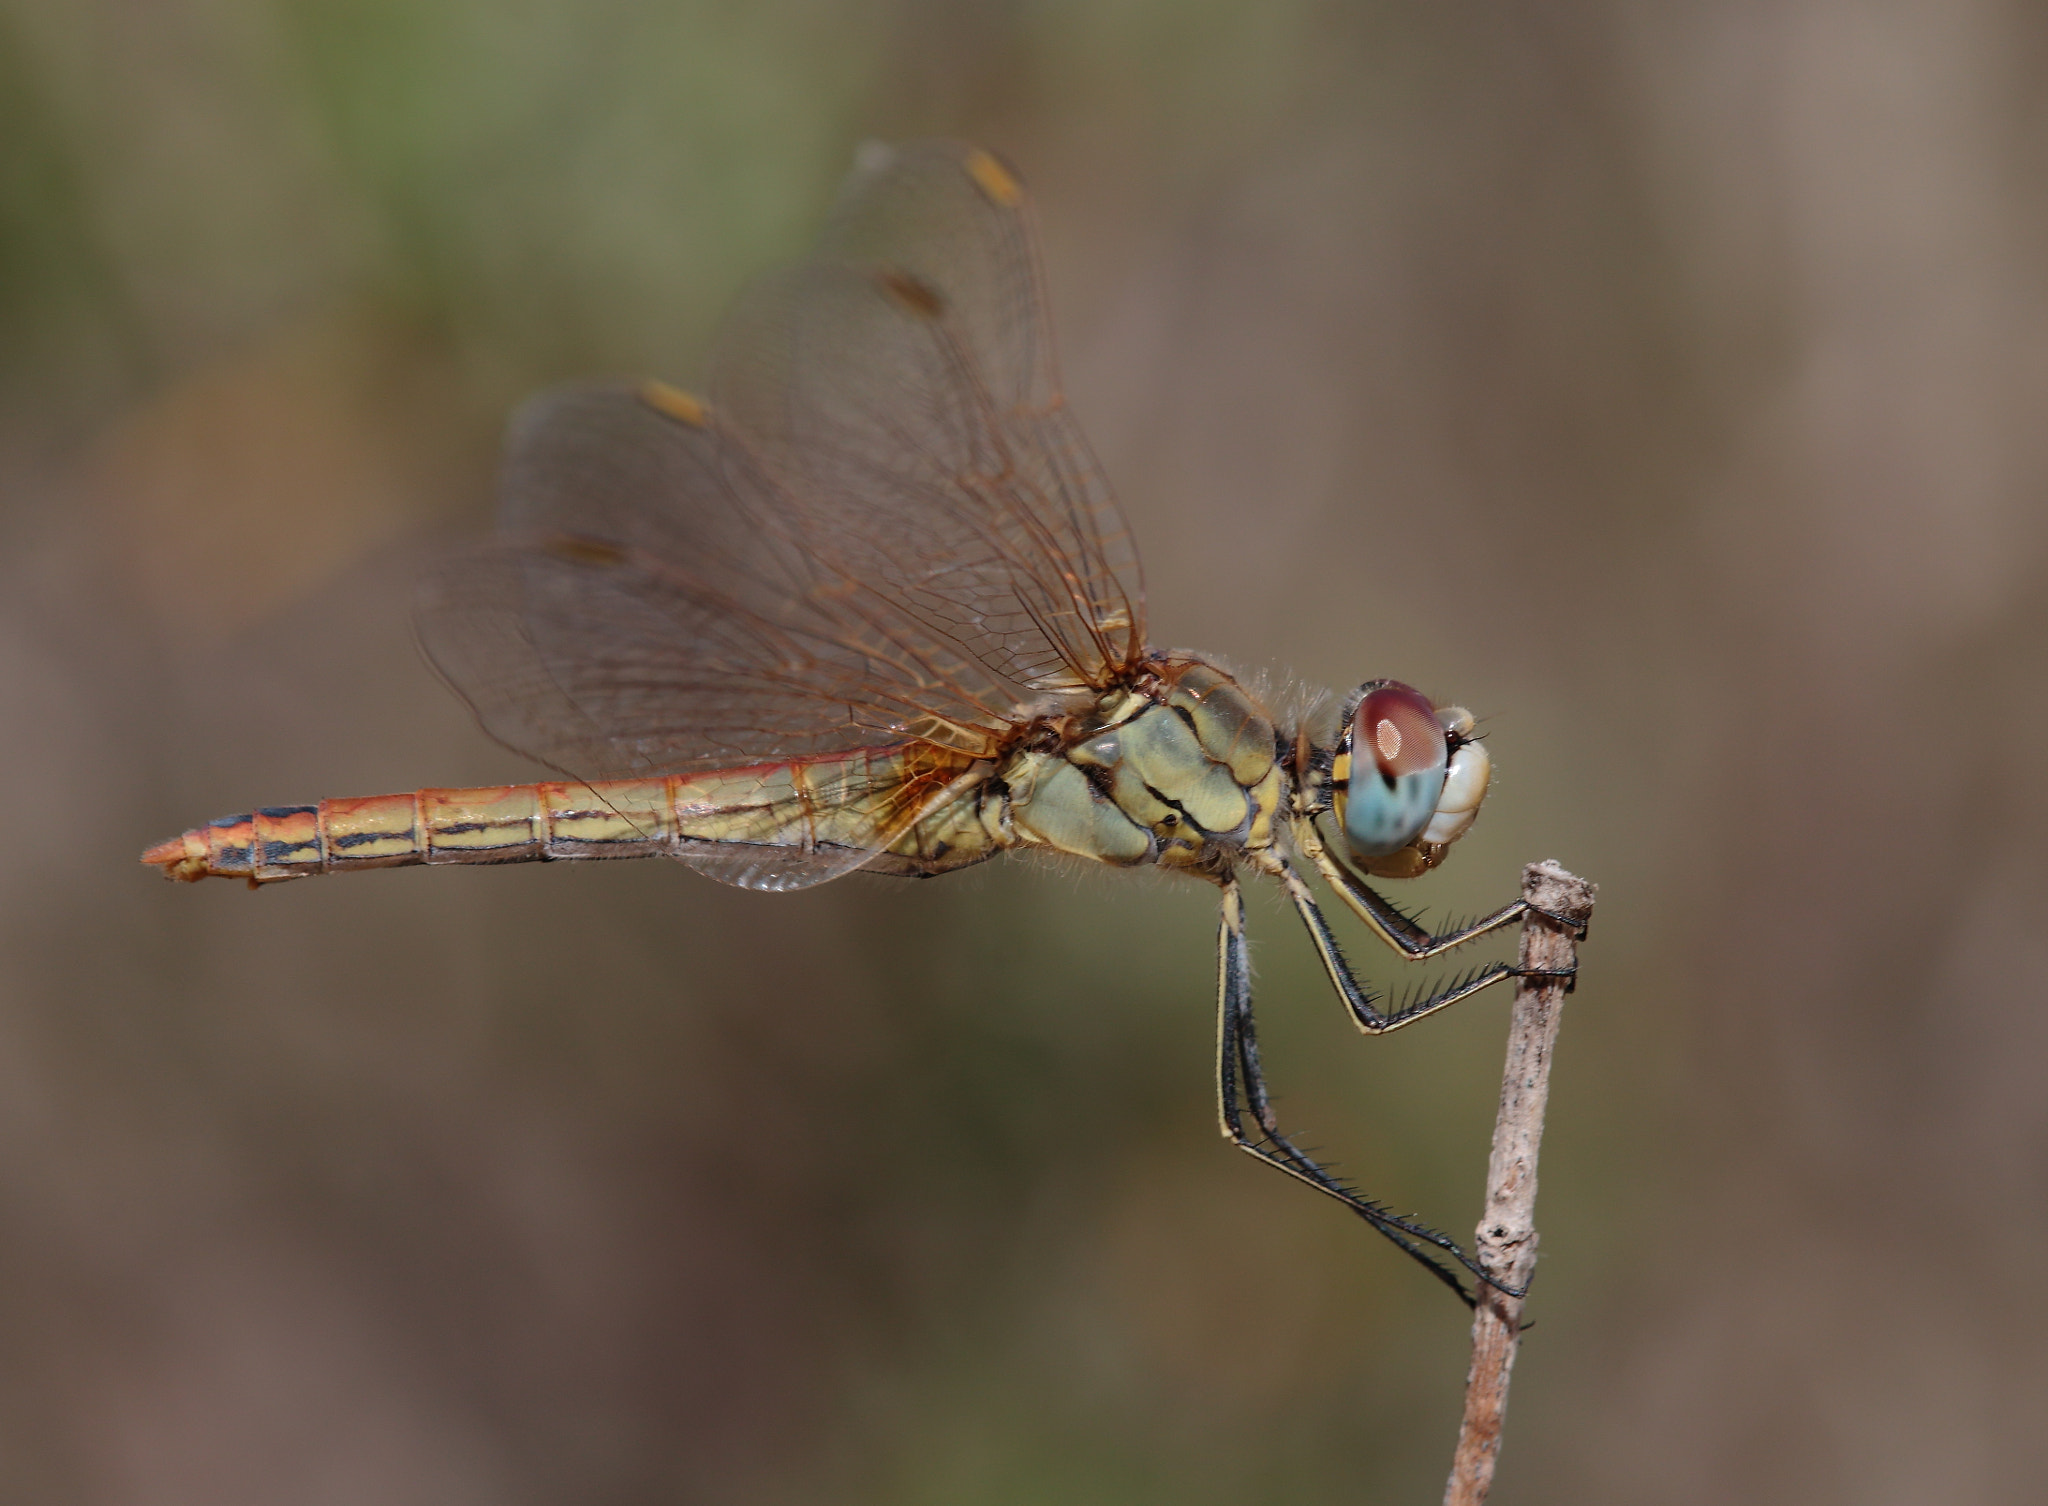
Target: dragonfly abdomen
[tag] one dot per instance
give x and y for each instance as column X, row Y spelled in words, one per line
column 496, row 824
column 863, row 801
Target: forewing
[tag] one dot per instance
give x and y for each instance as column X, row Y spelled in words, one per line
column 899, row 393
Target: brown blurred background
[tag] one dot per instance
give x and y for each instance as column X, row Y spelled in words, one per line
column 1664, row 382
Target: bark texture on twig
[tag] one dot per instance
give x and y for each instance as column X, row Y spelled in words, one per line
column 1506, row 1246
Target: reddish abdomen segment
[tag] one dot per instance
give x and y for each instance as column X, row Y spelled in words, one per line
column 866, row 801
column 499, row 824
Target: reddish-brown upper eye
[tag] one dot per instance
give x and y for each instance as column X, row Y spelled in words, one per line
column 1396, row 727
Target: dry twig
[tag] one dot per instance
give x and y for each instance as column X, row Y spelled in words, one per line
column 1506, row 1245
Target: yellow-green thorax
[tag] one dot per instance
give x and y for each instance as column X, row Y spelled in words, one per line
column 1178, row 769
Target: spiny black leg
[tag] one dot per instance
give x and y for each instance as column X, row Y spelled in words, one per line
column 1365, row 1012
column 1385, row 919
column 1241, row 1087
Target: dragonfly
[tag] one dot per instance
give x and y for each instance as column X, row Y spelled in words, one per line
column 869, row 605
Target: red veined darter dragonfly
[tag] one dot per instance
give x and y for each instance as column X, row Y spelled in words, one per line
column 871, row 606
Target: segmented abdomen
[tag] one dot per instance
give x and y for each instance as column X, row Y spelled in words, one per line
column 863, row 802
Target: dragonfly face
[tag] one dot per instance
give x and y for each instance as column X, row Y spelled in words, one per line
column 870, row 605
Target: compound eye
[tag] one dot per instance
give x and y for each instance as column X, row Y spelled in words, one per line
column 1399, row 755
column 1397, row 725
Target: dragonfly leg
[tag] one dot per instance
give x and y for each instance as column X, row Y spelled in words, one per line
column 1385, row 920
column 1250, row 1124
column 1363, row 1005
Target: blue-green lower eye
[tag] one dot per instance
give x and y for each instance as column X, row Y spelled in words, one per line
column 1383, row 815
column 1397, row 752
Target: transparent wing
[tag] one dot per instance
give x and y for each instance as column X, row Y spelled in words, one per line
column 639, row 617
column 884, row 529
column 900, row 393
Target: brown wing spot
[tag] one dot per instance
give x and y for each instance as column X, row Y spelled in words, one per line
column 673, row 402
column 994, row 179
column 914, row 293
column 581, row 549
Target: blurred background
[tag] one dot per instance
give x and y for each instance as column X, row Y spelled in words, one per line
column 1664, row 383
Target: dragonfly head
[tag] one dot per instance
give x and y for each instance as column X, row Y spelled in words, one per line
column 1407, row 779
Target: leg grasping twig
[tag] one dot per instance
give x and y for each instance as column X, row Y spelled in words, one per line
column 1241, row 1094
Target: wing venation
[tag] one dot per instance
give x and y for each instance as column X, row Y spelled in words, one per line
column 882, row 527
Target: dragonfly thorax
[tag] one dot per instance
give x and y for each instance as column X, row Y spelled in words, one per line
column 1179, row 768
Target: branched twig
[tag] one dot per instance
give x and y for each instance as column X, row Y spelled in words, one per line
column 1506, row 1245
